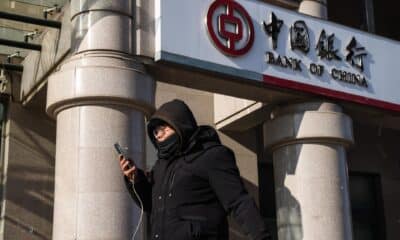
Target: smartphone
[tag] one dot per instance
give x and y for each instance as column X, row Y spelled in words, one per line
column 120, row 151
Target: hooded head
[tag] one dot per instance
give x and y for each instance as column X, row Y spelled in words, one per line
column 176, row 114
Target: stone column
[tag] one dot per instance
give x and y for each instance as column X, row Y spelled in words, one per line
column 316, row 8
column 308, row 143
column 98, row 96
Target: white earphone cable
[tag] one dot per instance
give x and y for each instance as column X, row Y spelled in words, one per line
column 141, row 212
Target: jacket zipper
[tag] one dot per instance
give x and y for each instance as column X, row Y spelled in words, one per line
column 164, row 199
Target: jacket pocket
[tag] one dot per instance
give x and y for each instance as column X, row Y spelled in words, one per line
column 196, row 230
column 195, row 227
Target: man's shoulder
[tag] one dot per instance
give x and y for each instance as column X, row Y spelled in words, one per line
column 218, row 149
column 208, row 152
column 217, row 152
column 218, row 157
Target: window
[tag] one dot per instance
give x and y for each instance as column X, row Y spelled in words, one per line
column 387, row 18
column 356, row 13
column 366, row 207
column 267, row 196
column 365, row 197
column 375, row 16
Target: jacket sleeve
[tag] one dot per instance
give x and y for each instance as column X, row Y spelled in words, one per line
column 225, row 180
column 143, row 189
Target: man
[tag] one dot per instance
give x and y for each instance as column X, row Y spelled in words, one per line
column 195, row 182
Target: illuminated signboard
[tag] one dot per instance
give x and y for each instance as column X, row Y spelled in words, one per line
column 261, row 42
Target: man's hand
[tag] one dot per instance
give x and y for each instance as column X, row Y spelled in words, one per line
column 126, row 170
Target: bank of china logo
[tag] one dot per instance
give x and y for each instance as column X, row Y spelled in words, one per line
column 230, row 27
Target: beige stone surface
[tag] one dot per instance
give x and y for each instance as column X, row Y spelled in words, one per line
column 27, row 174
column 228, row 106
column 145, row 28
column 31, row 65
column 124, row 7
column 64, row 43
column 200, row 102
column 88, row 179
column 90, row 19
column 89, row 32
column 48, row 52
column 38, row 65
column 105, row 215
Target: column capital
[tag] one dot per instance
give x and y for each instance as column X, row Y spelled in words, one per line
column 315, row 8
column 100, row 78
column 312, row 122
column 322, row 2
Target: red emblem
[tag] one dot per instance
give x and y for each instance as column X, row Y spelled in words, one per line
column 231, row 28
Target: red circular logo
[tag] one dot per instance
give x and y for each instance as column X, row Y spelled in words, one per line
column 230, row 27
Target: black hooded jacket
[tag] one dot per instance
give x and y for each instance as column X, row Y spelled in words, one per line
column 190, row 195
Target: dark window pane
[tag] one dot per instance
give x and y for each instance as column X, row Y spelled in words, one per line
column 387, row 17
column 267, row 195
column 366, row 206
column 349, row 13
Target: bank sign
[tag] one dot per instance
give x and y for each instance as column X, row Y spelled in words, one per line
column 282, row 48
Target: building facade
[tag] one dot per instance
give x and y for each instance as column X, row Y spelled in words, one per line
column 304, row 93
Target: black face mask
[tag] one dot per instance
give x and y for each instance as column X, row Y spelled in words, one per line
column 168, row 148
